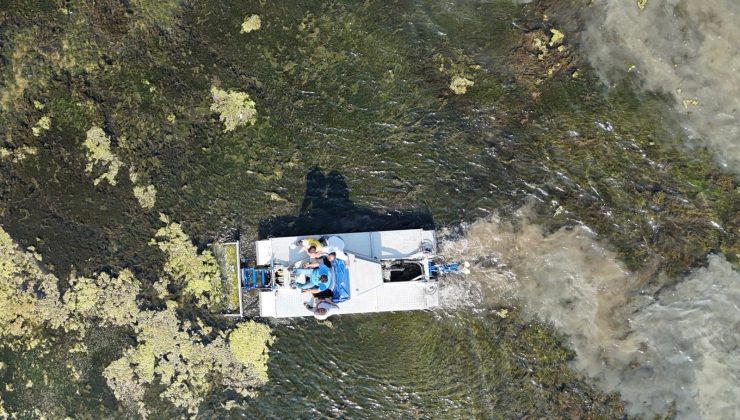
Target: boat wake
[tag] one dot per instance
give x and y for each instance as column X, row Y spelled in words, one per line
column 687, row 49
column 676, row 351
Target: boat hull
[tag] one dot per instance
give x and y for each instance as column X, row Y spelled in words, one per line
column 372, row 255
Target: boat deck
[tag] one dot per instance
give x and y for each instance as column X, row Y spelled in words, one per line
column 369, row 293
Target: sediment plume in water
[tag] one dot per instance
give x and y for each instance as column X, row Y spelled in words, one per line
column 685, row 48
column 672, row 352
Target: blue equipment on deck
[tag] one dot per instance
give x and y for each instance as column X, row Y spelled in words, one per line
column 435, row 269
column 255, row 278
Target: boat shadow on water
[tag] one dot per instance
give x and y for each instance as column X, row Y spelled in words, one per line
column 327, row 208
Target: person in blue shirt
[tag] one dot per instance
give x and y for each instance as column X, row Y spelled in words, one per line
column 319, row 278
column 322, row 289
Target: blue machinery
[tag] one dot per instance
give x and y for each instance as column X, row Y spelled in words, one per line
column 256, row 278
column 436, row 269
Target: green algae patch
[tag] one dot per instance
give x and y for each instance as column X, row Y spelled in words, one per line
column 248, row 343
column 146, row 195
column 32, row 301
column 196, row 275
column 557, row 37
column 110, row 299
column 35, row 55
column 460, row 85
column 98, row 147
column 152, row 14
column 553, row 59
column 187, row 360
column 43, row 124
column 29, row 298
column 15, row 76
column 171, row 354
column 235, row 109
column 18, row 154
column 251, row 23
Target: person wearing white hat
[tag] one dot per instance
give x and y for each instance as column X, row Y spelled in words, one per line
column 324, row 308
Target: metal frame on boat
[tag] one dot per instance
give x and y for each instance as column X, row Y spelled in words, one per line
column 230, row 266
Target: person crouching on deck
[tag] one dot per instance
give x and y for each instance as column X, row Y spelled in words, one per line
column 312, row 247
column 315, row 248
column 318, row 279
column 326, row 260
column 324, row 308
column 318, row 287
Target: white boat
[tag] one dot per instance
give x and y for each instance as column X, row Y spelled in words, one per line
column 386, row 271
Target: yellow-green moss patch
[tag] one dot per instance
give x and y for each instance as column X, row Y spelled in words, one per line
column 97, row 144
column 460, row 85
column 235, row 108
column 248, row 343
column 171, row 353
column 43, row 124
column 251, row 23
column 196, row 275
column 557, row 37
column 29, row 298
